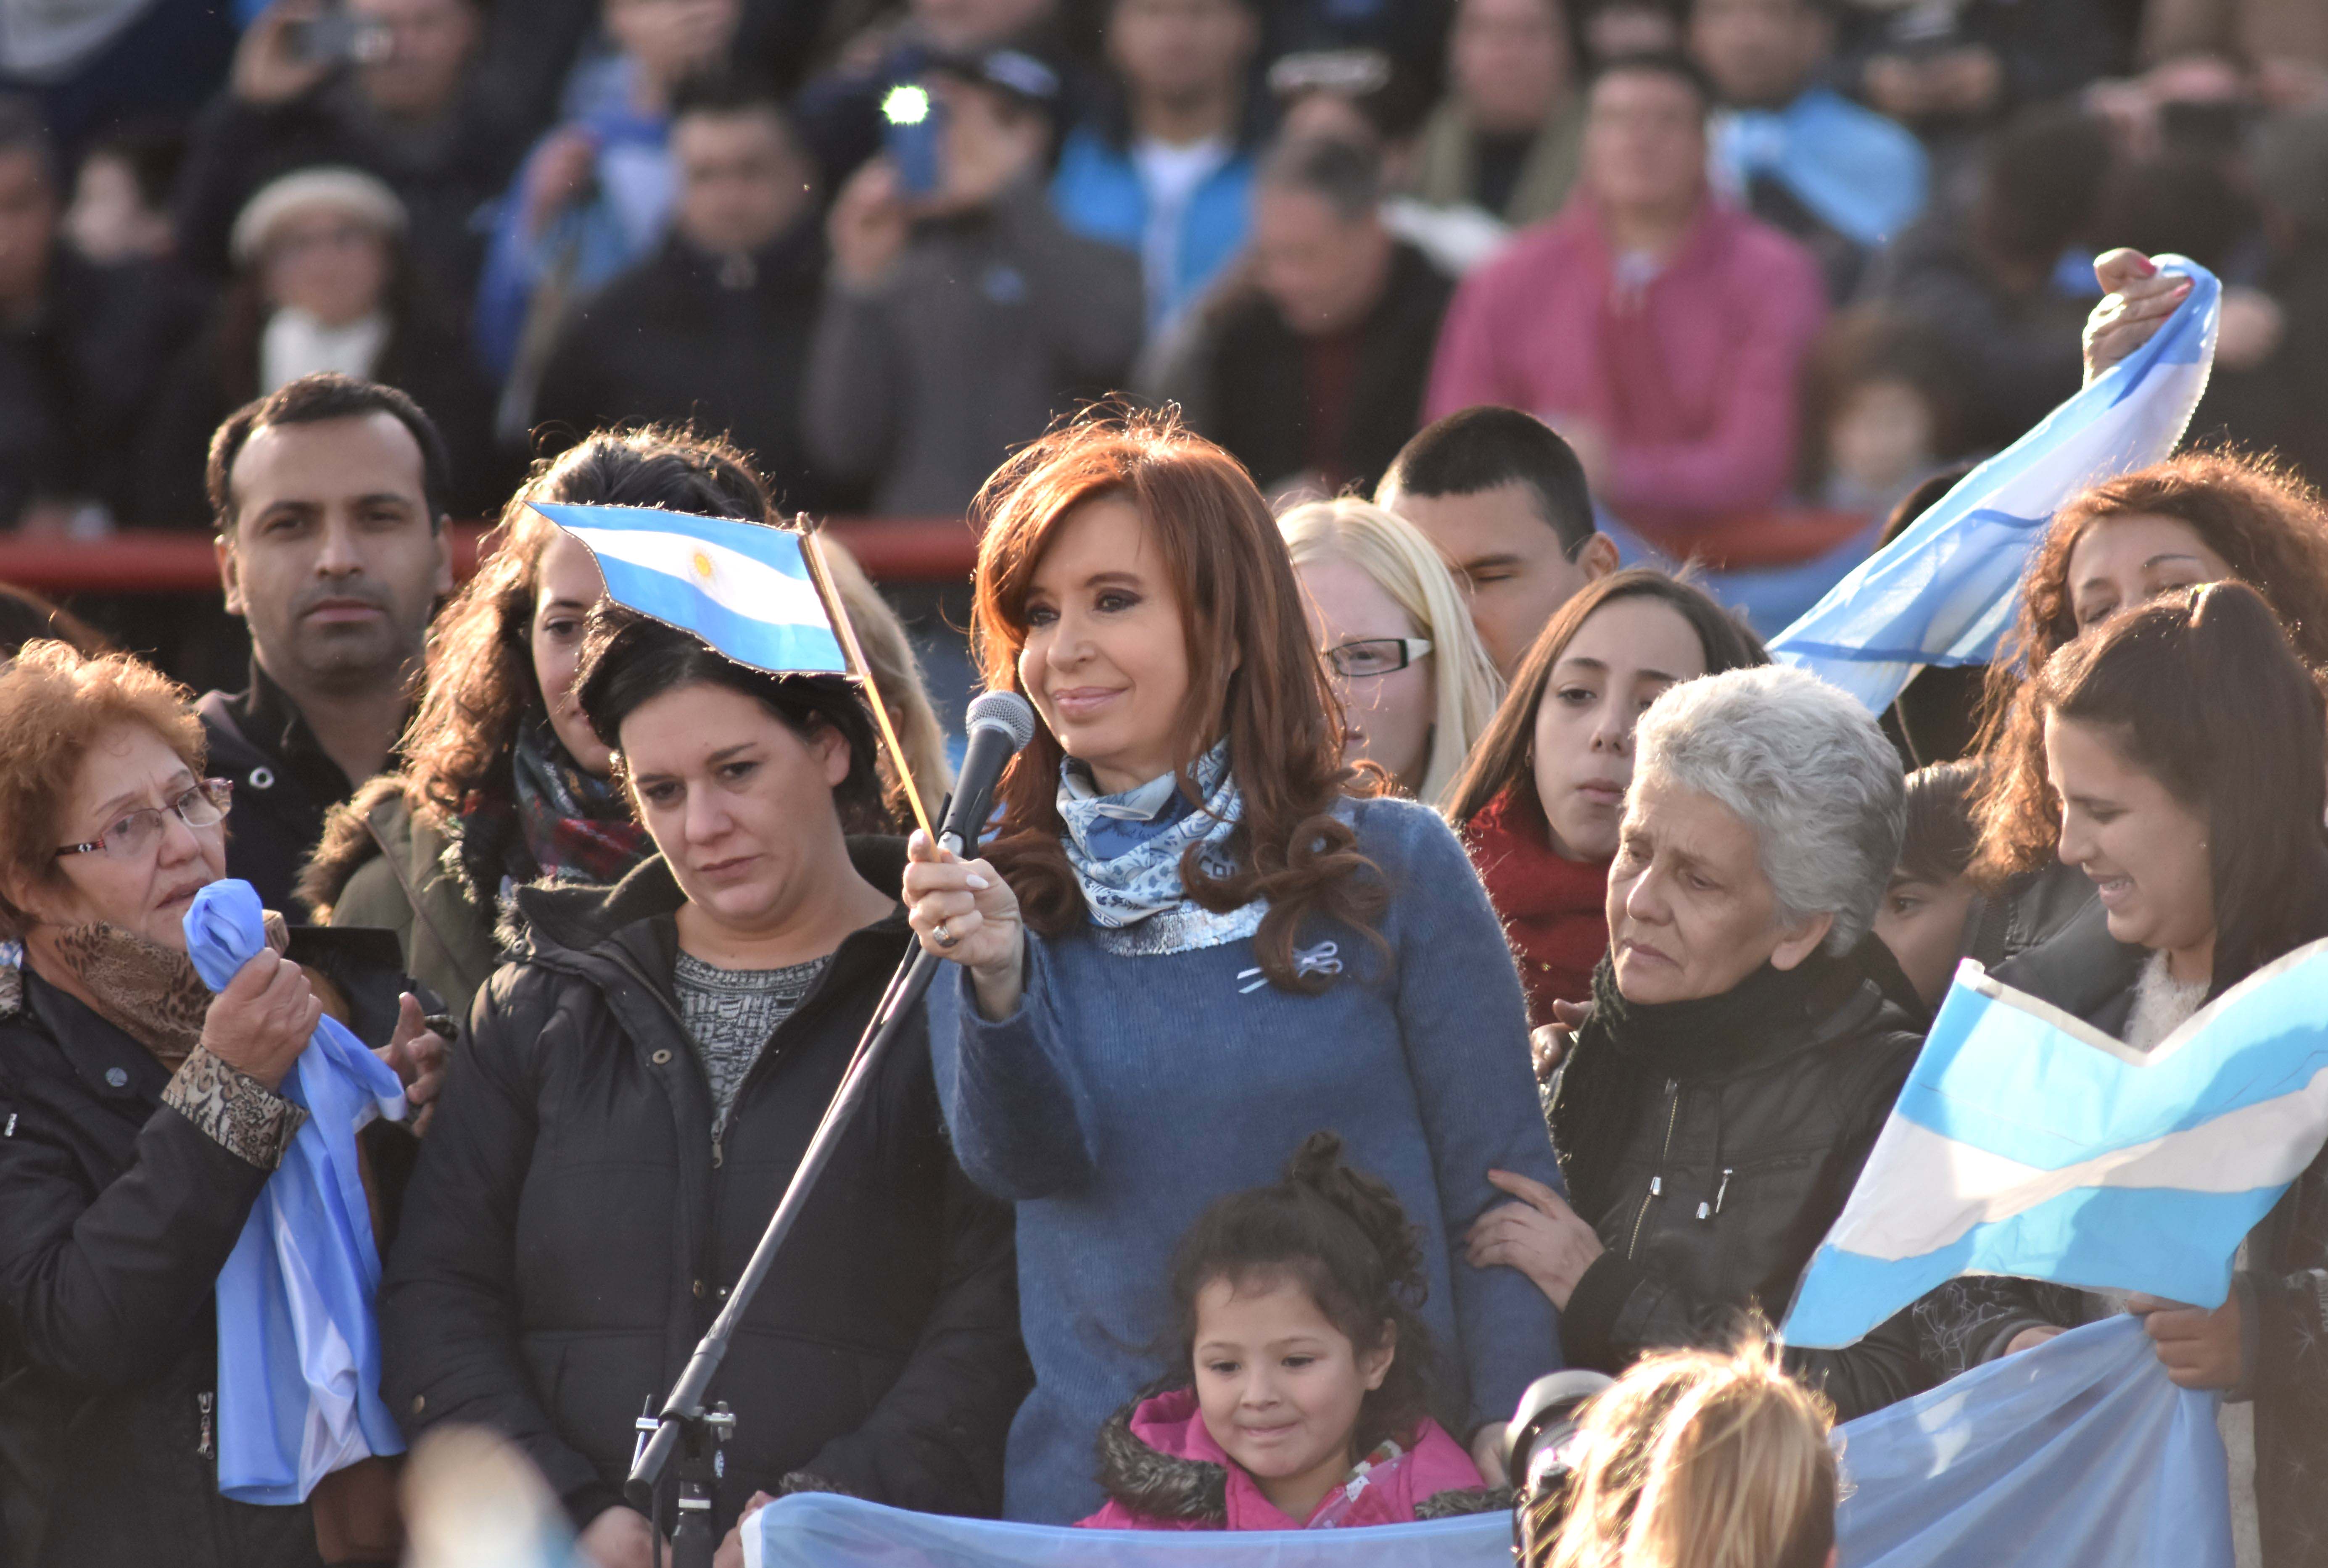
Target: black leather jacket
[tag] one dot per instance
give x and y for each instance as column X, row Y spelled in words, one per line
column 1728, row 1181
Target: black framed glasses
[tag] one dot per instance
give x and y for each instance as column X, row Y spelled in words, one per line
column 1368, row 657
column 135, row 833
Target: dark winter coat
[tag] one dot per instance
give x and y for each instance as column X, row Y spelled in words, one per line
column 685, row 338
column 122, row 1190
column 1727, row 1179
column 1264, row 402
column 574, row 1227
column 284, row 782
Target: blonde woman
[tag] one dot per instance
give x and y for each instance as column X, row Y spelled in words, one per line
column 1416, row 685
column 1696, row 1458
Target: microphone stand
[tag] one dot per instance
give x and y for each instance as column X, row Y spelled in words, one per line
column 683, row 1428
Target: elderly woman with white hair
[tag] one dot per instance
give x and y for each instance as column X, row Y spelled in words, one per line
column 1414, row 682
column 321, row 282
column 1745, row 1041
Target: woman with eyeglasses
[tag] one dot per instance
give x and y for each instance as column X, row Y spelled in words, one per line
column 139, row 1118
column 1415, row 684
column 1539, row 801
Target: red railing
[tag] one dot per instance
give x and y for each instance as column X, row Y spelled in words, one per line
column 896, row 549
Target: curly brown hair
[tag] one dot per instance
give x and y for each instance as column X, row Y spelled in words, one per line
column 1254, row 678
column 54, row 702
column 2267, row 524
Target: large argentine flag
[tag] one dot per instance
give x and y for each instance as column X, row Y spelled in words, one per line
column 741, row 587
column 1945, row 590
column 2027, row 1143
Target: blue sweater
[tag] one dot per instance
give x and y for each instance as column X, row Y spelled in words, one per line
column 1128, row 1092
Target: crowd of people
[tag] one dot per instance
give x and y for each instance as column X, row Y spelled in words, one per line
column 1753, row 259
column 1416, row 951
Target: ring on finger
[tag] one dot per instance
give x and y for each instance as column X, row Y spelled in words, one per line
column 945, row 938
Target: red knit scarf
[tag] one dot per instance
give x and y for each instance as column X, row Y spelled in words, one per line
column 1553, row 909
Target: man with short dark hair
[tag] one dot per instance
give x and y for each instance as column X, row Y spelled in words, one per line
column 713, row 329
column 1790, row 149
column 329, row 496
column 1314, row 371
column 1660, row 331
column 1505, row 500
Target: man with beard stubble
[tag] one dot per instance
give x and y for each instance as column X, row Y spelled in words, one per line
column 331, row 546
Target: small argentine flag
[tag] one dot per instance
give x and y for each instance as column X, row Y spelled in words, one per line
column 1945, row 590
column 744, row 587
column 2028, row 1142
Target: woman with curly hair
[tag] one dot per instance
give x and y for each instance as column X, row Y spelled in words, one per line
column 1194, row 927
column 2198, row 518
column 503, row 783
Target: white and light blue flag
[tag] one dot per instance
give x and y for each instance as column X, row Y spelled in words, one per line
column 2027, row 1143
column 744, row 587
column 1945, row 589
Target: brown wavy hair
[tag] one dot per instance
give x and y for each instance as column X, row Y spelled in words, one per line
column 2201, row 690
column 1254, row 678
column 2253, row 512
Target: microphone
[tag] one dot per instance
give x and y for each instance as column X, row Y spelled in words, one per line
column 998, row 723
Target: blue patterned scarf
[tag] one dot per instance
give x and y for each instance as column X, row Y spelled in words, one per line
column 1131, row 885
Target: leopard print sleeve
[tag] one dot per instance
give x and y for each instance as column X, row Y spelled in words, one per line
column 234, row 1110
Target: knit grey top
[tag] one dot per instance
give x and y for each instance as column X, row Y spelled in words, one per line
column 730, row 1013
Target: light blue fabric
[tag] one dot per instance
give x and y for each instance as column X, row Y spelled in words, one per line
column 1097, row 194
column 1141, row 1077
column 1945, row 590
column 610, row 228
column 744, row 587
column 2080, row 1451
column 2027, row 1143
column 1861, row 174
column 1128, row 875
column 298, row 1349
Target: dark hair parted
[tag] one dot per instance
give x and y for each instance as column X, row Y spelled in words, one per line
column 1939, row 842
column 2202, row 691
column 629, row 658
column 1665, row 63
column 1487, row 446
column 310, row 400
column 2268, row 527
column 1254, row 678
column 1339, row 1234
column 1504, row 756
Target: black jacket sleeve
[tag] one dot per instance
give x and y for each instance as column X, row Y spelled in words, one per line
column 448, row 1299
column 108, row 1289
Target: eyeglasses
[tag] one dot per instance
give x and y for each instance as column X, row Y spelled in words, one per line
column 1376, row 656
column 202, row 806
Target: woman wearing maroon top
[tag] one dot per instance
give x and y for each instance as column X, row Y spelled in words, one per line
column 1538, row 804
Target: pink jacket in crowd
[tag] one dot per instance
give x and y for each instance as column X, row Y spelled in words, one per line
column 1163, row 1471
column 1691, row 378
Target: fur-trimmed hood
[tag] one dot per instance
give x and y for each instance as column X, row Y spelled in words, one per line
column 1162, row 1470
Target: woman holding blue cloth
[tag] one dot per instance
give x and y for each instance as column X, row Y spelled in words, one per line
column 1196, row 937
column 140, row 1118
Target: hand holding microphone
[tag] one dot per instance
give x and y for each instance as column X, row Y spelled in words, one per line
column 963, row 909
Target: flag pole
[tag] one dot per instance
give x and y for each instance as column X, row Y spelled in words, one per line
column 812, row 551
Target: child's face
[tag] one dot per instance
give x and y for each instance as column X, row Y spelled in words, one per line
column 1923, row 923
column 1279, row 1387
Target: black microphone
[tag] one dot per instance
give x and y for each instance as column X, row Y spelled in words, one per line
column 999, row 724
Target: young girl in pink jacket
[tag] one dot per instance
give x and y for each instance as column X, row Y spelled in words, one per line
column 1300, row 1403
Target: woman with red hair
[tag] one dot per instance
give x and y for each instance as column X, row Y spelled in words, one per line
column 1197, row 936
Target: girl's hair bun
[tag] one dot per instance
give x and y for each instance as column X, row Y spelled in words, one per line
column 1368, row 1201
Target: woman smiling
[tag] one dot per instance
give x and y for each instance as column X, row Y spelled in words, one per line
column 1192, row 931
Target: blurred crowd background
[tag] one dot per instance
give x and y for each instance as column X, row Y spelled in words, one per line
column 1792, row 260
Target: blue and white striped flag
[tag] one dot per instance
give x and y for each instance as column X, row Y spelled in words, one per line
column 744, row 587
column 2028, row 1142
column 1945, row 590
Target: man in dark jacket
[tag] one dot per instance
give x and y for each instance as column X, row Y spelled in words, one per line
column 1315, row 370
column 381, row 85
column 713, row 330
column 580, row 1217
column 329, row 498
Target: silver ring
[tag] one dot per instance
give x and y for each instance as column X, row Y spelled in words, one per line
column 939, row 931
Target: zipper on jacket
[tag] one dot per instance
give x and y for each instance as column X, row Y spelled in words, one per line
column 204, row 1403
column 1657, row 1181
